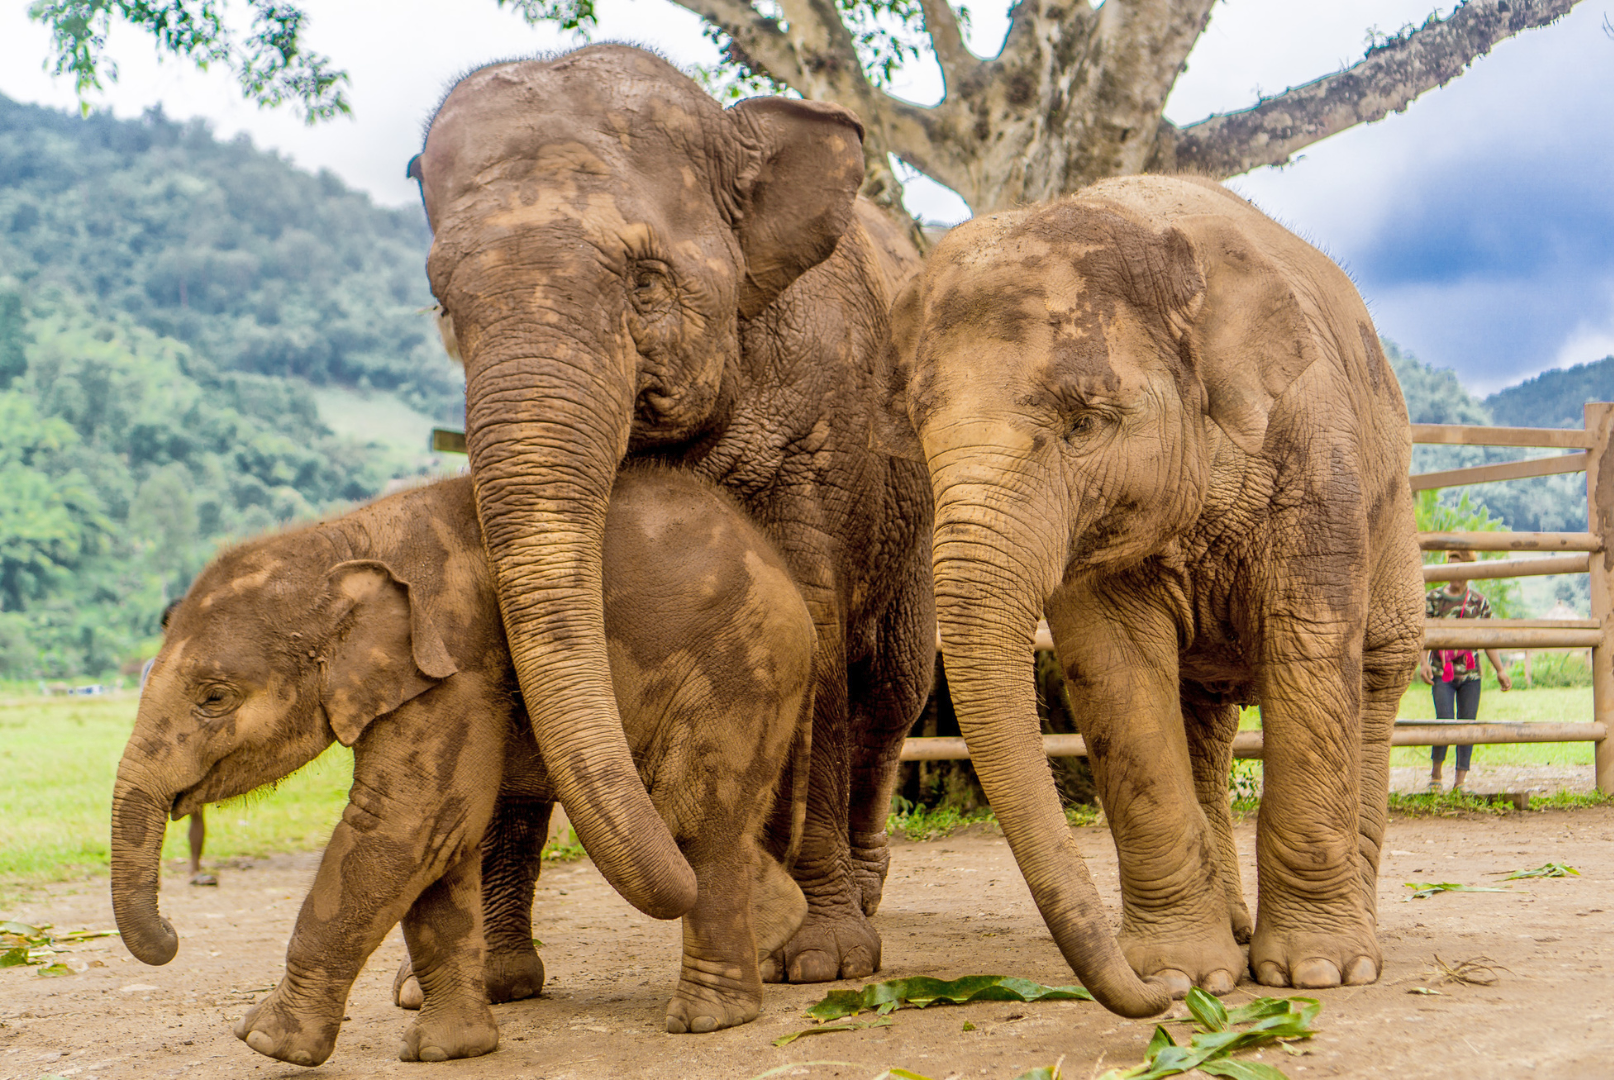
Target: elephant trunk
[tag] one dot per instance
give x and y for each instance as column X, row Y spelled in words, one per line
column 139, row 820
column 547, row 420
column 993, row 570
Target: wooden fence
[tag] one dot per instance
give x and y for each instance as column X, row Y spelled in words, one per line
column 1571, row 553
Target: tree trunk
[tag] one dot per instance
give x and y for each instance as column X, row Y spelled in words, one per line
column 1077, row 93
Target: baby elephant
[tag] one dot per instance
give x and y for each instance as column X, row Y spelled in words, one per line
column 382, row 629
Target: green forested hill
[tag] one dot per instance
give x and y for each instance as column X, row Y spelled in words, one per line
column 173, row 311
column 1554, row 398
column 259, row 266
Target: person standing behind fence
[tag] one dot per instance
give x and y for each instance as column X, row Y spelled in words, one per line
column 197, row 834
column 1455, row 673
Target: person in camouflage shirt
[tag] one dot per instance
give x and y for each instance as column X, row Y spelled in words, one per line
column 1455, row 673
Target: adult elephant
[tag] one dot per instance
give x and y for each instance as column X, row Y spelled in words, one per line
column 1158, row 416
column 628, row 270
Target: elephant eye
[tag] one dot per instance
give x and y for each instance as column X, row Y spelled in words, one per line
column 217, row 699
column 1086, row 423
column 651, row 288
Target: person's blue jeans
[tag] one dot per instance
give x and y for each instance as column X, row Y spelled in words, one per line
column 1455, row 701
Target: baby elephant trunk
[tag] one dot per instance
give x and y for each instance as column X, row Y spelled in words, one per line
column 139, row 820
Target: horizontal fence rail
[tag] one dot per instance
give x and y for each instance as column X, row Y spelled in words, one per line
column 1512, row 634
column 1507, row 470
column 1479, row 435
column 1507, row 568
column 1509, row 541
column 1249, row 745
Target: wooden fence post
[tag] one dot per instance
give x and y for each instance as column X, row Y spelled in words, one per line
column 1600, row 522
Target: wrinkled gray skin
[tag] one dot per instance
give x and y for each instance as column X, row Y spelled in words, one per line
column 629, row 271
column 1154, row 414
column 381, row 629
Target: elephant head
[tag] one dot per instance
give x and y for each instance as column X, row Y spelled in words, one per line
column 266, row 661
column 601, row 229
column 1071, row 375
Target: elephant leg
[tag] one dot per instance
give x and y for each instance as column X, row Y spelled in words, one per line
column 1314, row 926
column 1120, row 660
column 1210, row 730
column 836, row 939
column 888, row 694
column 409, row 817
column 511, row 859
column 719, row 982
column 444, row 930
column 1385, row 673
column 777, row 906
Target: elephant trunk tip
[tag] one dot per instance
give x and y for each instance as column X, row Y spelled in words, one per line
column 154, row 946
column 1124, row 994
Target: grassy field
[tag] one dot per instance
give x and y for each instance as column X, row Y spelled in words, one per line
column 59, row 757
column 1572, row 705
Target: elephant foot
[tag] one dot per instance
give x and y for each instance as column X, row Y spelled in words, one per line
column 513, row 975
column 276, row 1030
column 871, row 858
column 1314, row 961
column 462, row 1030
column 1243, row 923
column 406, row 992
column 711, row 1001
column 778, row 908
column 510, row 976
column 837, row 944
column 1211, row 962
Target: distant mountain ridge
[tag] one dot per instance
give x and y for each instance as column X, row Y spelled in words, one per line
column 1554, row 398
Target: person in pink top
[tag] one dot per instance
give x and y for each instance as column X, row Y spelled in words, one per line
column 1455, row 673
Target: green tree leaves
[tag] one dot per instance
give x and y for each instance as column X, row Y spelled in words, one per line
column 268, row 60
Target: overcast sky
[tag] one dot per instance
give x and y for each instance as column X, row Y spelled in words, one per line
column 1479, row 224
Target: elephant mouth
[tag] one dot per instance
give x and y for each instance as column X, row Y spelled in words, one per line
column 185, row 804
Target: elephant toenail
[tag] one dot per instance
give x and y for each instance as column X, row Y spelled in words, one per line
column 1218, row 982
column 1363, row 970
column 261, row 1042
column 1174, row 982
column 1268, row 973
column 675, row 1026
column 301, row 1057
column 1315, row 974
column 703, row 1024
column 433, row 1053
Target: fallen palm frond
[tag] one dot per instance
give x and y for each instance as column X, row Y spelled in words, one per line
column 921, row 992
column 1270, row 1020
column 1552, row 869
column 1424, row 890
column 22, row 944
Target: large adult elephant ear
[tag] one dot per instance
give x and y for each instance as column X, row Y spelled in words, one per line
column 1249, row 337
column 801, row 166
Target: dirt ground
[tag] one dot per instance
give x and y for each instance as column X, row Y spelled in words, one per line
column 952, row 907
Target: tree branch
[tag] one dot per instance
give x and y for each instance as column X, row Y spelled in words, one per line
column 1387, row 80
column 763, row 46
column 947, row 41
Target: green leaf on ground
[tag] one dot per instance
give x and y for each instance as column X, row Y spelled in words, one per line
column 1270, row 1020
column 785, row 1040
column 1424, row 890
column 1552, row 869
column 55, row 970
column 14, row 957
column 921, row 992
